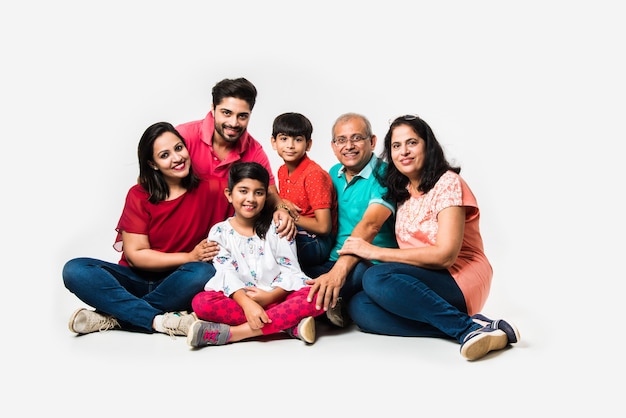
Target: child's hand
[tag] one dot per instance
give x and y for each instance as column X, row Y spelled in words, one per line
column 260, row 296
column 286, row 227
column 256, row 316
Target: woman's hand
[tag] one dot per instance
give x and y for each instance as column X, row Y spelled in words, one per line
column 359, row 247
column 205, row 251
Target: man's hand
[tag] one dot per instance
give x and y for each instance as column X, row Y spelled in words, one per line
column 327, row 287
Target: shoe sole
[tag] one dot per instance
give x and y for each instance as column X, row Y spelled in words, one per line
column 306, row 330
column 73, row 318
column 483, row 343
column 192, row 337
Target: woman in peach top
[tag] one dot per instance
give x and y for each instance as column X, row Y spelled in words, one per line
column 438, row 280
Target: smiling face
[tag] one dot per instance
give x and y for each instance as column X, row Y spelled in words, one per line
column 170, row 157
column 232, row 116
column 291, row 148
column 407, row 151
column 357, row 149
column 247, row 197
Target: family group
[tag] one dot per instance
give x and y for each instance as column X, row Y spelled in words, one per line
column 216, row 249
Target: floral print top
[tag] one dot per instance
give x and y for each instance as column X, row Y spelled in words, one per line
column 251, row 261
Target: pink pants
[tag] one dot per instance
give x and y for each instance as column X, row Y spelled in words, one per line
column 216, row 307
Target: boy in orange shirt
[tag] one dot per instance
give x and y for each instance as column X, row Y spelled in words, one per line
column 305, row 188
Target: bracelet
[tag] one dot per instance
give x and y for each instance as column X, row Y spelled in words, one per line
column 283, row 206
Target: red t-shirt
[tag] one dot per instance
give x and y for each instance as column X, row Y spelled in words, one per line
column 199, row 140
column 176, row 225
column 309, row 187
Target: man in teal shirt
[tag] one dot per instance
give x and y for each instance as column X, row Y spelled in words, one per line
column 362, row 212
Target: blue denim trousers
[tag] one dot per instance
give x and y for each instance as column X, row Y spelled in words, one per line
column 353, row 283
column 134, row 297
column 404, row 300
column 313, row 249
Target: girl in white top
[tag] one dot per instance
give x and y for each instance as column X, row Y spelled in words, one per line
column 259, row 288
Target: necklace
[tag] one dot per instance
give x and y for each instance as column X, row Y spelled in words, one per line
column 408, row 226
column 413, row 215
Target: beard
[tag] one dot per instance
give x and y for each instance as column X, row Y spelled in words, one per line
column 229, row 138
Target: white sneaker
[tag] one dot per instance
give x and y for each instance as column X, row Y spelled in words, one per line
column 178, row 323
column 84, row 321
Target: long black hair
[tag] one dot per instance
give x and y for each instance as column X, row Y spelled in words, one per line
column 255, row 171
column 150, row 179
column 435, row 162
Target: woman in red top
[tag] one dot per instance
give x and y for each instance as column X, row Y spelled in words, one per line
column 166, row 259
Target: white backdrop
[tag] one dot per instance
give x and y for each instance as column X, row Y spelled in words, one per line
column 528, row 97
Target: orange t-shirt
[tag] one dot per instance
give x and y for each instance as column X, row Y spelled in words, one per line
column 310, row 188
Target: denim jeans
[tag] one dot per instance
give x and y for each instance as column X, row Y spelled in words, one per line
column 313, row 249
column 404, row 300
column 353, row 283
column 134, row 297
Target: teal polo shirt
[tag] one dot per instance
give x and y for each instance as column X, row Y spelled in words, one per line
column 354, row 198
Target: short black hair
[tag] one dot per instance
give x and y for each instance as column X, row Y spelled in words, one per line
column 239, row 88
column 292, row 124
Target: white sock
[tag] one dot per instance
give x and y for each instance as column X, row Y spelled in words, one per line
column 157, row 323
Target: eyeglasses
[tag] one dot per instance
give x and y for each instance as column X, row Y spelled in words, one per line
column 354, row 139
column 404, row 117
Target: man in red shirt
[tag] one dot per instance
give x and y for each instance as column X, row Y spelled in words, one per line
column 222, row 138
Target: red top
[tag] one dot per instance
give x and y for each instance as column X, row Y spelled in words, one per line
column 308, row 187
column 175, row 225
column 199, row 140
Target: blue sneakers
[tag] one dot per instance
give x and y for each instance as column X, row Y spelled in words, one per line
column 478, row 343
column 509, row 329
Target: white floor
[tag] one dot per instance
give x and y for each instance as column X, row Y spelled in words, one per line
column 526, row 97
column 346, row 372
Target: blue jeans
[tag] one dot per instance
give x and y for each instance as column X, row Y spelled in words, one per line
column 134, row 297
column 408, row 301
column 353, row 283
column 313, row 249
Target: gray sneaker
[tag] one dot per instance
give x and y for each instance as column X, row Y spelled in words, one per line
column 178, row 323
column 84, row 321
column 338, row 315
column 203, row 333
column 304, row 331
